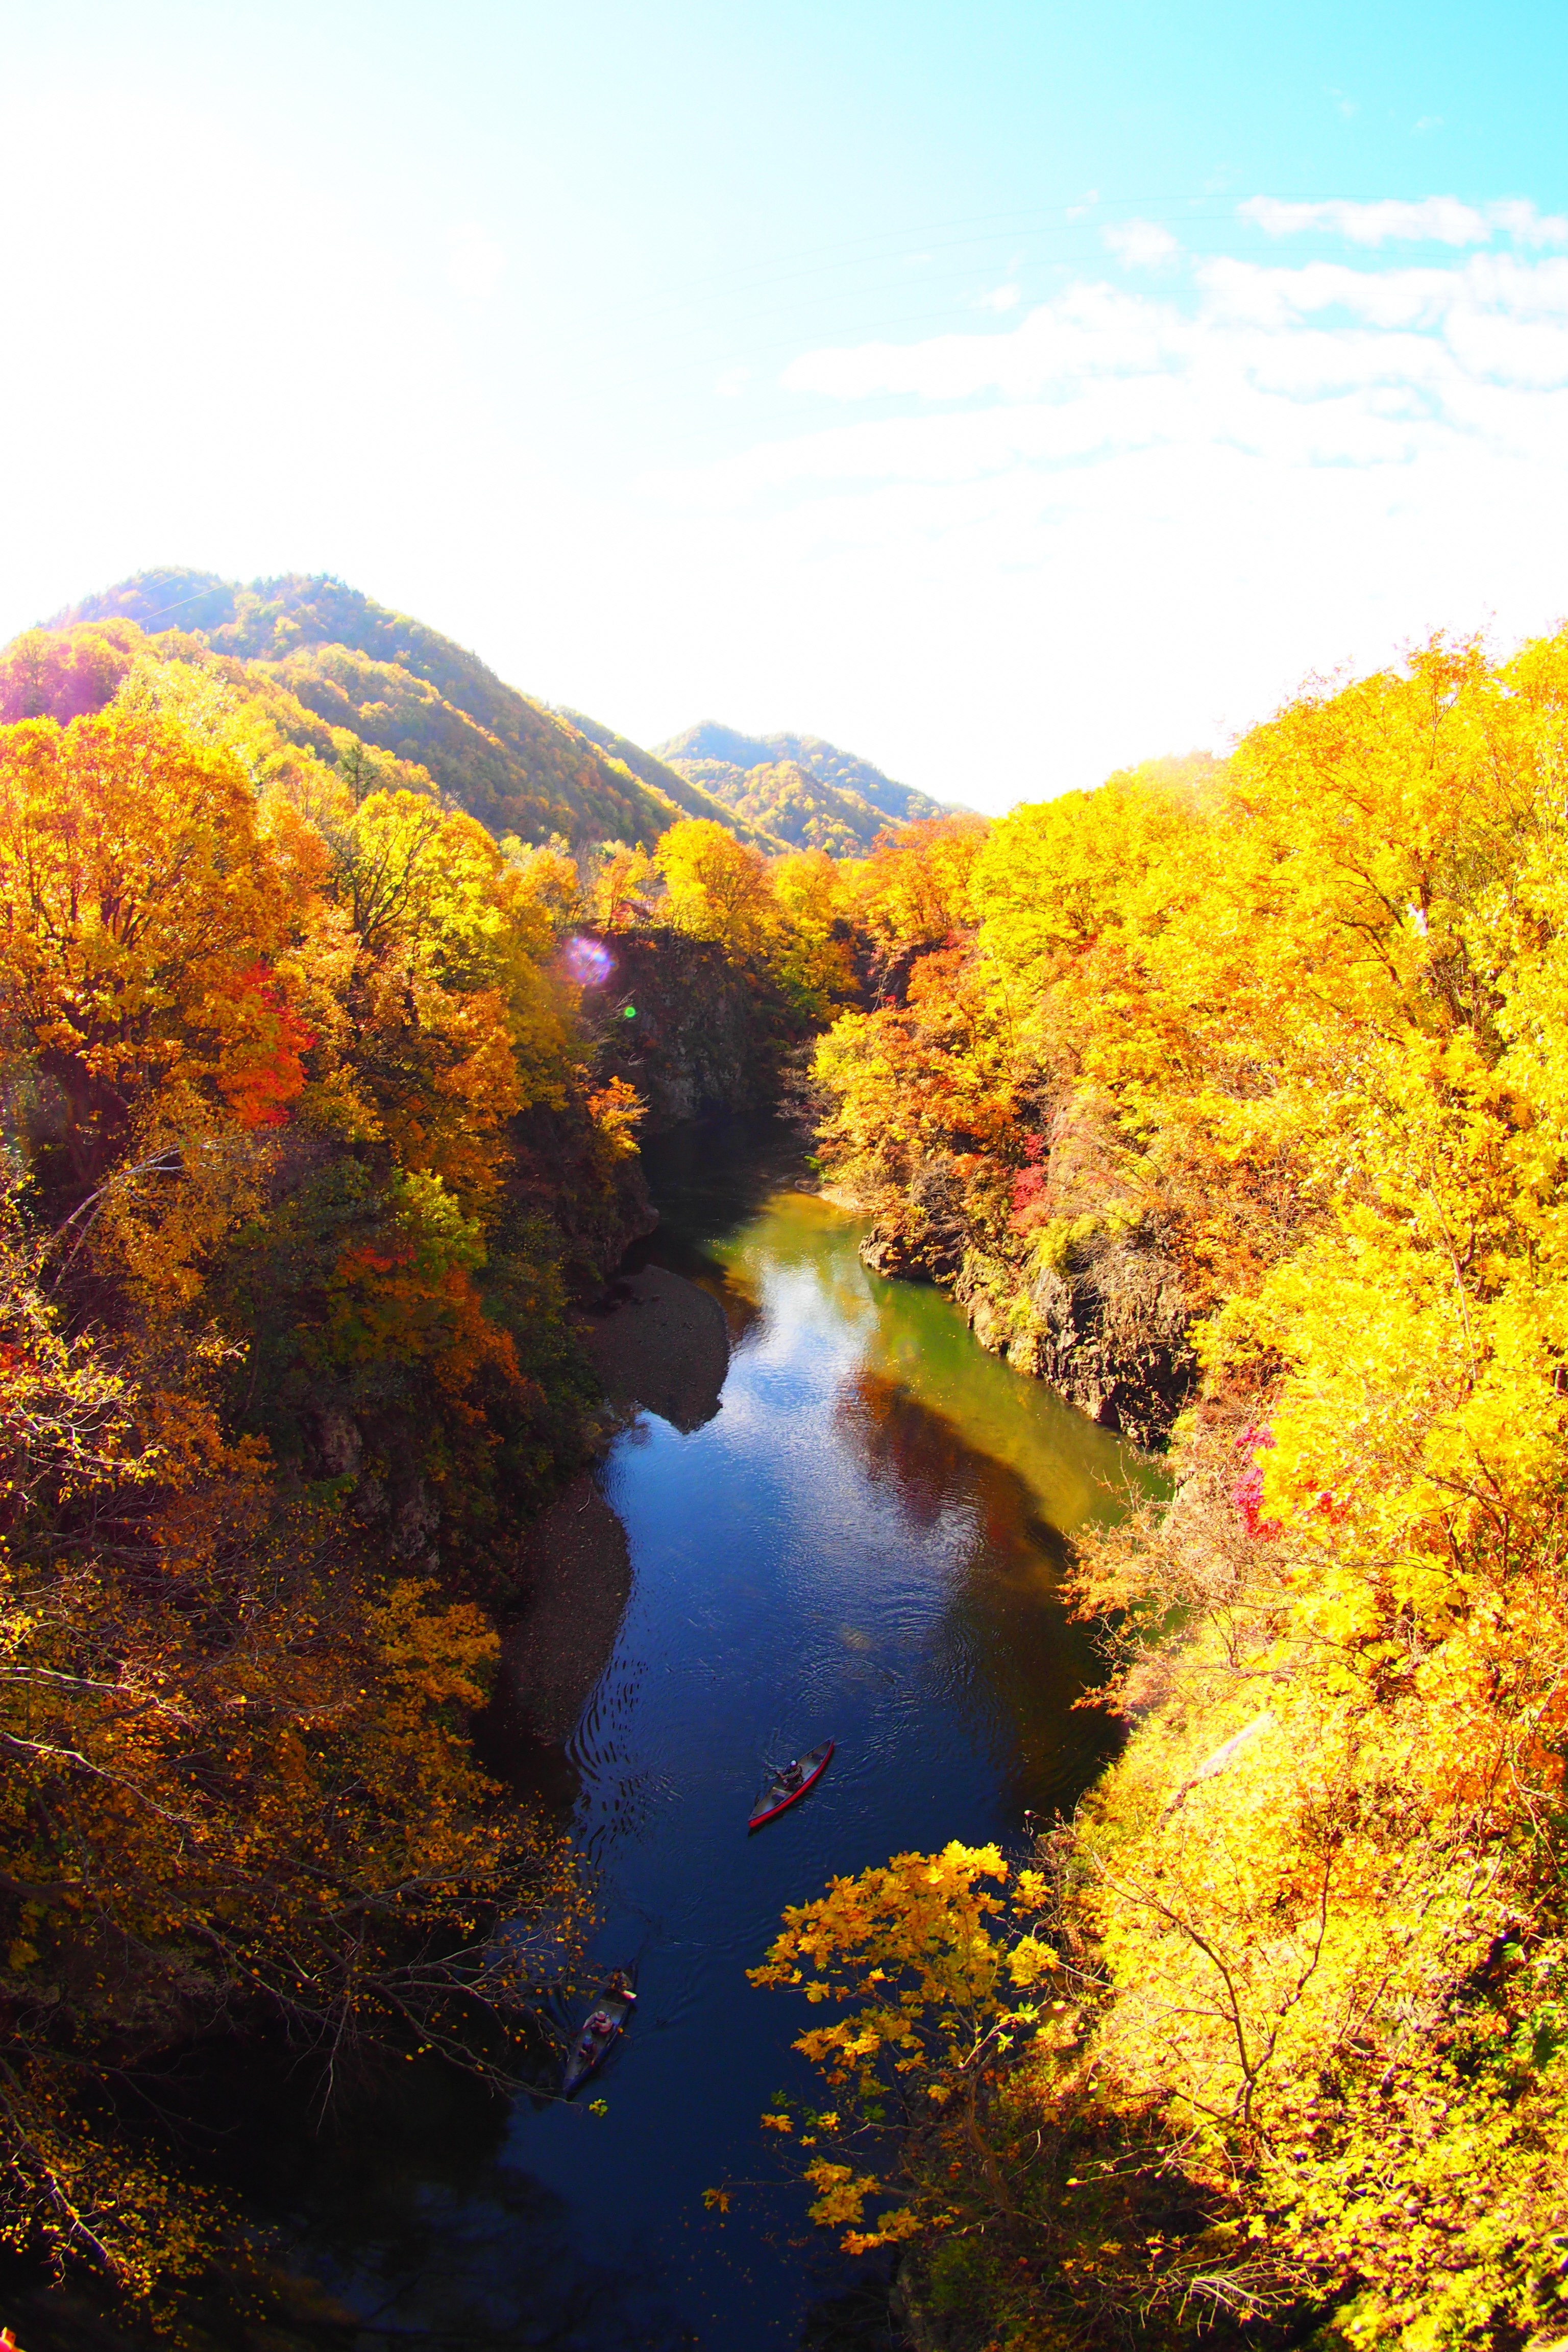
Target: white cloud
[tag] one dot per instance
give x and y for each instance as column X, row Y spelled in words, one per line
column 1000, row 298
column 1435, row 220
column 1141, row 244
column 1130, row 520
column 1092, row 328
column 1471, row 350
column 1526, row 226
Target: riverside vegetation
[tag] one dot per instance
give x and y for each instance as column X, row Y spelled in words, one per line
column 309, row 1156
column 1229, row 1097
column 1246, row 1087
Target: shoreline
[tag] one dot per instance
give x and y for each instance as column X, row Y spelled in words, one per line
column 658, row 1345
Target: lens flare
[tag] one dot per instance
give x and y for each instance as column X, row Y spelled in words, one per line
column 588, row 961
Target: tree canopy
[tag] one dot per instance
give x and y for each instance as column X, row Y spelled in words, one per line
column 1260, row 1065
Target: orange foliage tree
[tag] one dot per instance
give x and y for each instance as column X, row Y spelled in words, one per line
column 282, row 1316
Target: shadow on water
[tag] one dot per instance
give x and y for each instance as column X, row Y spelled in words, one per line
column 710, row 1178
column 1009, row 1657
column 434, row 2237
column 866, row 1540
column 708, row 1181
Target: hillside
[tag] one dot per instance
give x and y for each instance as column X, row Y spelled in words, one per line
column 691, row 798
column 334, row 656
column 806, row 790
column 518, row 766
column 796, row 807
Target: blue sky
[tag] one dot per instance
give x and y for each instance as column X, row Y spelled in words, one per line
column 1006, row 392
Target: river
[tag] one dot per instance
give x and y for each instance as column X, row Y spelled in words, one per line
column 866, row 1542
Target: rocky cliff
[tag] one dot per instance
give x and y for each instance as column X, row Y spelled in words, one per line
column 1103, row 1318
column 693, row 1033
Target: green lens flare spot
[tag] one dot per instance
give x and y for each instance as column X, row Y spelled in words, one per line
column 630, row 1014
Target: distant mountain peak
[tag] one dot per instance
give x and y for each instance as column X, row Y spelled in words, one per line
column 362, row 667
column 353, row 669
column 800, row 788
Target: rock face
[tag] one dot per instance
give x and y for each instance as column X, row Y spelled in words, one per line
column 1105, row 1323
column 694, row 1036
column 1107, row 1327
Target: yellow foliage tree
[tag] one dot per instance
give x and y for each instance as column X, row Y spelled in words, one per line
column 716, row 887
column 1303, row 1017
column 929, row 1958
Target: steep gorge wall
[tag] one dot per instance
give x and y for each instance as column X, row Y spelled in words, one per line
column 1103, row 1318
column 1106, row 1326
column 694, row 1033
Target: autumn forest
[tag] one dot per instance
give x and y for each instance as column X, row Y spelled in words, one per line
column 1230, row 1100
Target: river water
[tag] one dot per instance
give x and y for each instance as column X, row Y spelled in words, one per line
column 865, row 1542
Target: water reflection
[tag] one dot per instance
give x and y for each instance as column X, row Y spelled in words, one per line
column 1007, row 1658
column 866, row 1541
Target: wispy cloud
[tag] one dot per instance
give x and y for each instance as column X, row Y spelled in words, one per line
column 1434, row 220
column 1472, row 347
column 1253, row 470
column 1000, row 298
column 1141, row 244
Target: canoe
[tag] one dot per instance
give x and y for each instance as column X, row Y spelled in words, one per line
column 590, row 2050
column 780, row 1792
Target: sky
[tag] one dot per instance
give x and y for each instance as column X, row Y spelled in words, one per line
column 1007, row 392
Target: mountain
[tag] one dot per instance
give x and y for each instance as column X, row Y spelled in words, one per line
column 343, row 663
column 513, row 762
column 805, row 791
column 693, row 799
column 795, row 807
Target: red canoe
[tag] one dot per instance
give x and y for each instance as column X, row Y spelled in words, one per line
column 785, row 1790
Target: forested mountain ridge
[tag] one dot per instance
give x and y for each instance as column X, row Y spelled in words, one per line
column 522, row 767
column 517, row 765
column 795, row 807
column 692, row 798
column 799, row 788
column 711, row 745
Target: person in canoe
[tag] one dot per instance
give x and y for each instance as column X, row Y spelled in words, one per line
column 789, row 1782
column 598, row 2030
